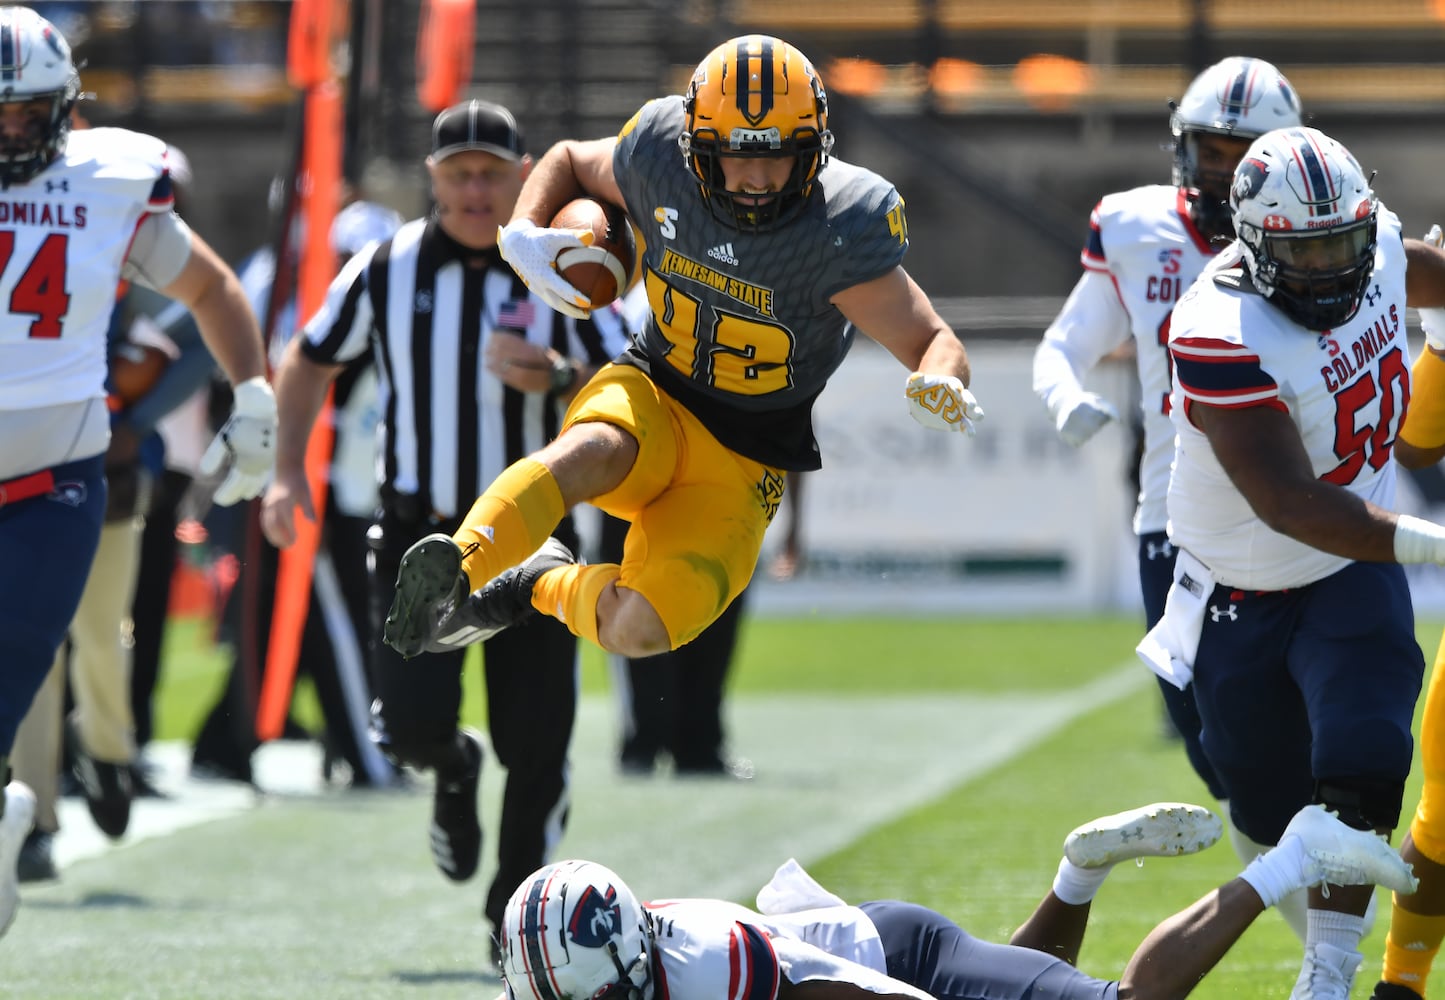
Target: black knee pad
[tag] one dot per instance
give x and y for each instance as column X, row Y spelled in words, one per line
column 1363, row 803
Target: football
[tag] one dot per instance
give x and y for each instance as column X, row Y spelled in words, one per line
column 135, row 369
column 601, row 271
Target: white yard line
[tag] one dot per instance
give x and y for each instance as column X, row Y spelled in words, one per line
column 829, row 769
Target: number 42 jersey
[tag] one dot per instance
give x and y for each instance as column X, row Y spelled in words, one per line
column 64, row 237
column 743, row 332
column 1346, row 390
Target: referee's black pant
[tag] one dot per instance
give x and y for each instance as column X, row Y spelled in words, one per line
column 531, row 686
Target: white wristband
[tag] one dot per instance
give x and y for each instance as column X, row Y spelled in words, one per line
column 1418, row 541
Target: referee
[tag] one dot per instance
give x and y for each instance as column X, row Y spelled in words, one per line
column 475, row 374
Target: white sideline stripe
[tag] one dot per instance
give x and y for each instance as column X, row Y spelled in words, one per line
column 871, row 760
column 829, row 769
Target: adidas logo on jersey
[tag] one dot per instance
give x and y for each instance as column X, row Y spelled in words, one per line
column 723, row 252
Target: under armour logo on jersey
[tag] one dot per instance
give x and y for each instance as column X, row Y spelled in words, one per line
column 1373, row 295
column 64, row 185
column 423, row 302
column 1156, row 550
column 723, row 252
column 1218, row 614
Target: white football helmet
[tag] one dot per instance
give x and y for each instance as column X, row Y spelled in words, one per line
column 1305, row 215
column 574, row 931
column 35, row 66
column 1238, row 97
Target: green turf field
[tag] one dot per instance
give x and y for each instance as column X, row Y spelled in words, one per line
column 938, row 761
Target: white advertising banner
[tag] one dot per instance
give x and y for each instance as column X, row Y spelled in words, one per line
column 904, row 518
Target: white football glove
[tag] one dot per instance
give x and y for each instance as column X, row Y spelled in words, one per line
column 1081, row 418
column 246, row 444
column 940, row 402
column 1432, row 321
column 532, row 251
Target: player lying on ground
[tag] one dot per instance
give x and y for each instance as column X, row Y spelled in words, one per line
column 574, row 931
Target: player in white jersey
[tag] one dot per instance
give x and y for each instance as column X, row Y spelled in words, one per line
column 575, row 931
column 79, row 214
column 1289, row 608
column 1146, row 246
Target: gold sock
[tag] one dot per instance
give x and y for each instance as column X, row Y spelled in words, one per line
column 509, row 521
column 1410, row 947
column 569, row 594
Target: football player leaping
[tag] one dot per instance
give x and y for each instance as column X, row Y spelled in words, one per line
column 1146, row 246
column 85, row 211
column 691, row 434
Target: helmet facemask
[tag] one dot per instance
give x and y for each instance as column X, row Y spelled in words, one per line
column 47, row 128
column 749, row 212
column 1317, row 278
column 1208, row 187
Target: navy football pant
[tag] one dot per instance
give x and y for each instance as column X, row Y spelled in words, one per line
column 1309, row 684
column 47, row 544
column 1156, row 576
column 927, row 950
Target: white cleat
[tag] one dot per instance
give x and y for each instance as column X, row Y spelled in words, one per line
column 1327, row 974
column 14, row 825
column 1164, row 829
column 1341, row 855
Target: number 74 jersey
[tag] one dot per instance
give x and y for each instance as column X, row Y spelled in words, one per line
column 1346, row 390
column 64, row 237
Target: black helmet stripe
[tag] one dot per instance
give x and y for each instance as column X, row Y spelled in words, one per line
column 531, row 931
column 764, row 91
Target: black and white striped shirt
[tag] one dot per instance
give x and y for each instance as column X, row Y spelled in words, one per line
column 448, row 426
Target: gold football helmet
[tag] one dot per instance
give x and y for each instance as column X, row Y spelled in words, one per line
column 756, row 95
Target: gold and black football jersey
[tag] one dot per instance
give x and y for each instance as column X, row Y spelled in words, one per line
column 742, row 331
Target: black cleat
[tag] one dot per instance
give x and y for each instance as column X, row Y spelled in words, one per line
column 456, row 833
column 36, row 862
column 1393, row 991
column 429, row 586
column 106, row 787
column 506, row 600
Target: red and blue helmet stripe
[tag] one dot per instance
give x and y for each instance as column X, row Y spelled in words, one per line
column 1239, row 95
column 12, row 61
column 1321, row 193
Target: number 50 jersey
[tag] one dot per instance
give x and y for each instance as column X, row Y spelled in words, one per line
column 742, row 331
column 64, row 237
column 1346, row 390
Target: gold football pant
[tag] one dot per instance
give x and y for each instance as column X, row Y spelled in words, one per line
column 698, row 513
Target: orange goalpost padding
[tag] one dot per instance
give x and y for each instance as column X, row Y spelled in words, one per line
column 320, row 193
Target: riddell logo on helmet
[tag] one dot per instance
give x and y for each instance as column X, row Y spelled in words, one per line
column 1329, row 223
